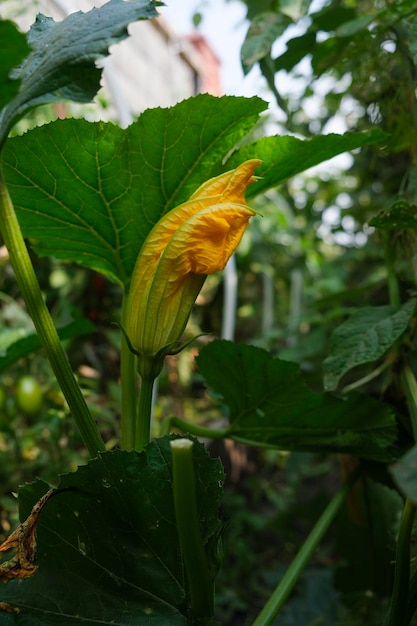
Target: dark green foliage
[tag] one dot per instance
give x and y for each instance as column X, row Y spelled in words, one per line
column 364, row 338
column 107, row 542
column 269, row 404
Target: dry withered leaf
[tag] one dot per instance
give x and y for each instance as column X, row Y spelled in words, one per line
column 8, row 608
column 23, row 540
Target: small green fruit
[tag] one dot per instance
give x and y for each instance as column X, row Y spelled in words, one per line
column 29, row 396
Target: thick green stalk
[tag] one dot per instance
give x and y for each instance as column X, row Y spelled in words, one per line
column 398, row 614
column 410, row 386
column 199, row 580
column 144, row 414
column 129, row 390
column 37, row 309
column 293, row 573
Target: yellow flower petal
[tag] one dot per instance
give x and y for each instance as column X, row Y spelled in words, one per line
column 194, row 239
column 206, row 241
column 230, row 185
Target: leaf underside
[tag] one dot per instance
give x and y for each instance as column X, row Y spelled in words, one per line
column 61, row 65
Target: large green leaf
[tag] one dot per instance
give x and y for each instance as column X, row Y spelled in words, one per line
column 91, row 193
column 62, row 65
column 268, row 403
column 365, row 337
column 13, row 49
column 108, row 550
column 284, row 157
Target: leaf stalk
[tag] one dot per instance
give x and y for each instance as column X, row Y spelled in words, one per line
column 398, row 612
column 194, row 429
column 293, row 573
column 200, row 584
column 129, row 390
column 144, row 414
column 410, row 387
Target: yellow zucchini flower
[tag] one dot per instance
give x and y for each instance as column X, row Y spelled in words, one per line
column 193, row 240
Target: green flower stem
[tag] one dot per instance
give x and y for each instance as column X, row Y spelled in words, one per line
column 293, row 573
column 29, row 286
column 144, row 414
column 129, row 390
column 412, row 593
column 410, row 387
column 199, row 431
column 199, row 580
column 398, row 614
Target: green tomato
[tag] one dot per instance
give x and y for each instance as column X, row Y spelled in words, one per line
column 29, row 396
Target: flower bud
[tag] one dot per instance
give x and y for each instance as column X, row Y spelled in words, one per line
column 193, row 240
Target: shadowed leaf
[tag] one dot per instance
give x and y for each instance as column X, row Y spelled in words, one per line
column 108, row 551
column 269, row 404
column 364, row 338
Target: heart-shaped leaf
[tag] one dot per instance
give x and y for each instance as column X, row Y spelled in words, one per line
column 268, row 403
column 91, row 193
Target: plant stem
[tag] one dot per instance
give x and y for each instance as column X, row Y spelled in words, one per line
column 194, row 429
column 37, row 309
column 188, row 527
column 144, row 414
column 129, row 390
column 398, row 614
column 366, row 379
column 293, row 573
column 393, row 288
column 410, row 387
